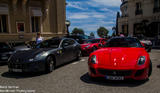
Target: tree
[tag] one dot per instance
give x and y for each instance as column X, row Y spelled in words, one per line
column 102, row 32
column 78, row 31
column 92, row 34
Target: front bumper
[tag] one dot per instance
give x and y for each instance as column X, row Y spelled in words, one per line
column 37, row 66
column 136, row 74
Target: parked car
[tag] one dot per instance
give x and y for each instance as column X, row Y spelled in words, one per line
column 5, row 52
column 80, row 38
column 121, row 58
column 147, row 43
column 45, row 56
column 91, row 45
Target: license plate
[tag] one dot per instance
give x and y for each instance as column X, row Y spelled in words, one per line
column 17, row 70
column 114, row 77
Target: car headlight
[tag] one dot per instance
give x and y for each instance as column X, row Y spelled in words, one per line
column 141, row 60
column 87, row 46
column 39, row 56
column 94, row 59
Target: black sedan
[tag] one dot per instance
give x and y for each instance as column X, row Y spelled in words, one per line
column 5, row 52
column 45, row 56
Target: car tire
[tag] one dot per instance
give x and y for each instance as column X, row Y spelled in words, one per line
column 50, row 64
column 150, row 69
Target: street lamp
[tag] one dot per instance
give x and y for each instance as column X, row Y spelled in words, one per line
column 68, row 23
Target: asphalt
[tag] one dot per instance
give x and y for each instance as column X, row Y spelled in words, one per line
column 73, row 78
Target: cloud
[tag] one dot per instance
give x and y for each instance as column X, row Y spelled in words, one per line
column 91, row 14
column 77, row 5
column 85, row 15
column 79, row 16
column 111, row 3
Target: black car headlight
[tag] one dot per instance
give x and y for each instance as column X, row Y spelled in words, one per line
column 94, row 59
column 38, row 57
column 141, row 60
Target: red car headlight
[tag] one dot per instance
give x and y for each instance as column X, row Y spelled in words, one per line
column 141, row 60
column 94, row 59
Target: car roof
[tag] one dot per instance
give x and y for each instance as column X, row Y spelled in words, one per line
column 60, row 38
column 123, row 38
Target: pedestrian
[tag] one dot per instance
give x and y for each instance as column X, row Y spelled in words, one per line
column 39, row 39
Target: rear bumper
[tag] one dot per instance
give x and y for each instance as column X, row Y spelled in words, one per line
column 136, row 74
column 27, row 67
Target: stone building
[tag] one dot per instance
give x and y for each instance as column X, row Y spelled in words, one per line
column 20, row 20
column 140, row 17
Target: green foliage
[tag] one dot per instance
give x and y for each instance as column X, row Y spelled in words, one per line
column 77, row 31
column 92, row 34
column 102, row 32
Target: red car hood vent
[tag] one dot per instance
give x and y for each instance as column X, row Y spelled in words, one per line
column 120, row 57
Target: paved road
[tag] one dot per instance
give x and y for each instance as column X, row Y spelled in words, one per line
column 73, row 78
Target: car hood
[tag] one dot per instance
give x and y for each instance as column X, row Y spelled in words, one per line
column 148, row 42
column 119, row 57
column 84, row 45
column 21, row 48
column 91, row 44
column 27, row 54
column 4, row 50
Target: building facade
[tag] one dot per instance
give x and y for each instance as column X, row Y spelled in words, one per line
column 20, row 20
column 140, row 17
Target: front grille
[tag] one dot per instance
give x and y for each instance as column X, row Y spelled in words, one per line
column 115, row 72
column 16, row 66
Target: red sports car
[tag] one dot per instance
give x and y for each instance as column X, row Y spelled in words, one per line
column 92, row 45
column 122, row 58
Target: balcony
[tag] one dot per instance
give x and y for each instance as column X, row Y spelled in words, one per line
column 156, row 9
column 138, row 12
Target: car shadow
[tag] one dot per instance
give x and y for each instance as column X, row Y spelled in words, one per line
column 21, row 75
column 3, row 64
column 34, row 74
column 103, row 82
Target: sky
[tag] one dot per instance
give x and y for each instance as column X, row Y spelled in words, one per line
column 92, row 14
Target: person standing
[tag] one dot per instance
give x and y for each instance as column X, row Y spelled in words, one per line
column 39, row 39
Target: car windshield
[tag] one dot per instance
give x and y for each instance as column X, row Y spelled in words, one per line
column 3, row 45
column 123, row 42
column 52, row 43
column 92, row 41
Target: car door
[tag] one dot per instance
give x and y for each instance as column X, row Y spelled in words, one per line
column 67, row 50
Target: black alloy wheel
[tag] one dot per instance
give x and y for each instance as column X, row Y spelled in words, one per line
column 50, row 64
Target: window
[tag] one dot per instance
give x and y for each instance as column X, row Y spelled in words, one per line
column 35, row 23
column 138, row 9
column 3, row 24
column 156, row 6
column 125, row 30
